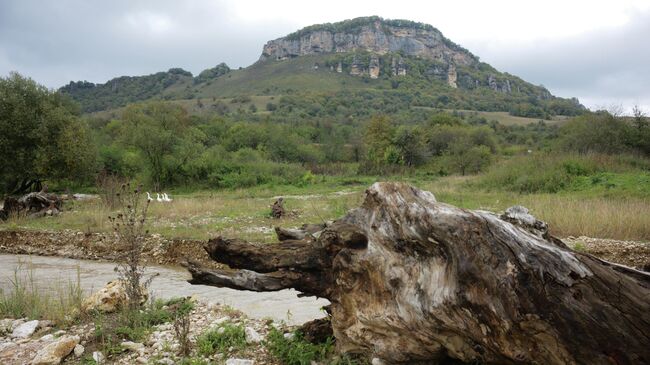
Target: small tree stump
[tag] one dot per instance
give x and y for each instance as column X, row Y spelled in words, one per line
column 277, row 209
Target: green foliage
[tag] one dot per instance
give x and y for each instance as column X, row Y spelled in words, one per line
column 553, row 172
column 212, row 73
column 123, row 90
column 221, row 339
column 596, row 132
column 127, row 324
column 297, row 351
column 160, row 132
column 41, row 136
column 580, row 247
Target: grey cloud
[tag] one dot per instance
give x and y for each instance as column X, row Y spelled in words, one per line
column 55, row 42
column 601, row 68
column 58, row 41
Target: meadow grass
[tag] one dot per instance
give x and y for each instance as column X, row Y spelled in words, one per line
column 603, row 205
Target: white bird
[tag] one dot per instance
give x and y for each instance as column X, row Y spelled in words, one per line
column 166, row 197
column 158, row 198
column 149, row 198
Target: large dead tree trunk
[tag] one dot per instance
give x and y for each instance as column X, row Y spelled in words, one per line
column 414, row 280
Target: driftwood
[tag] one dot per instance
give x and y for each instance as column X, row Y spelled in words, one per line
column 306, row 230
column 412, row 280
column 33, row 205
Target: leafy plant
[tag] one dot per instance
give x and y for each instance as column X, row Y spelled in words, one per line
column 296, row 351
column 221, row 339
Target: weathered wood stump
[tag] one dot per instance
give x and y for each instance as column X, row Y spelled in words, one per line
column 33, row 204
column 277, row 209
column 414, row 280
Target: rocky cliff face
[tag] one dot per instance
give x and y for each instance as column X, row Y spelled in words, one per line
column 374, row 35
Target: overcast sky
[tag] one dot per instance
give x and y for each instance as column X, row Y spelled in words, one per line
column 598, row 51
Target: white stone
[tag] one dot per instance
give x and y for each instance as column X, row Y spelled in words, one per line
column 79, row 350
column 222, row 320
column 7, row 345
column 48, row 337
column 234, row 361
column 289, row 336
column 252, row 336
column 16, row 322
column 25, row 330
column 377, row 361
column 5, row 325
column 133, row 346
column 166, row 361
column 98, row 357
column 54, row 352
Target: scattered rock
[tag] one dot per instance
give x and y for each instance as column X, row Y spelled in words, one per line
column 5, row 326
column 377, row 361
column 133, row 346
column 54, row 352
column 252, row 336
column 165, row 361
column 79, row 350
column 16, row 322
column 222, row 320
column 98, row 357
column 25, row 330
column 234, row 361
column 289, row 336
column 47, row 338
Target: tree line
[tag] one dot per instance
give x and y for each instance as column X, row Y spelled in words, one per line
column 44, row 137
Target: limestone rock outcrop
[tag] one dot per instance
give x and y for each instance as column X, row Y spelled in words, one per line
column 373, row 34
column 108, row 299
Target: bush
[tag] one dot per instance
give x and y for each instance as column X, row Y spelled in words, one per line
column 547, row 173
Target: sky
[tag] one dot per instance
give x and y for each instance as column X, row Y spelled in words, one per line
column 597, row 51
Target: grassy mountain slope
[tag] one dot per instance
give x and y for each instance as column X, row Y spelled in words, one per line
column 426, row 83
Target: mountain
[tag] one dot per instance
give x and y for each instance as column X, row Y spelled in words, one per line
column 404, row 63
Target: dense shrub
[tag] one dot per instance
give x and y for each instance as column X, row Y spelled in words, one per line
column 551, row 173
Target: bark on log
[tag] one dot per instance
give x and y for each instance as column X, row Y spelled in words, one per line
column 414, row 280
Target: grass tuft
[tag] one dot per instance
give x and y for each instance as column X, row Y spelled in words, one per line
column 59, row 302
column 222, row 339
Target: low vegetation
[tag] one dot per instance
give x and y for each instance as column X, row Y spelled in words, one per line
column 25, row 298
column 223, row 339
column 295, row 350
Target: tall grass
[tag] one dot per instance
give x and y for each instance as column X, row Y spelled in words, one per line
column 25, row 298
column 596, row 217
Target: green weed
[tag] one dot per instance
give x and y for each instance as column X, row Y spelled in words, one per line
column 297, row 351
column 221, row 339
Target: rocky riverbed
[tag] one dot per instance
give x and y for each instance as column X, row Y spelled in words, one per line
column 39, row 342
column 165, row 251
